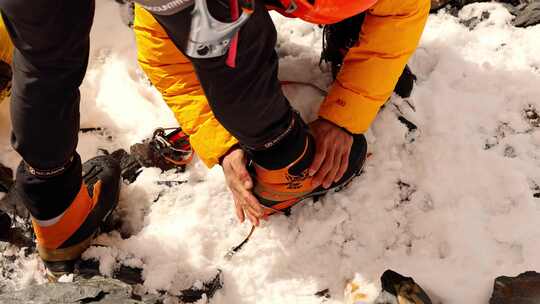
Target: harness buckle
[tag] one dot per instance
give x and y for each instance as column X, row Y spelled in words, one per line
column 210, row 38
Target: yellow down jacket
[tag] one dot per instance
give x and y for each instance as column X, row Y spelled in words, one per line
column 174, row 77
column 371, row 69
column 6, row 47
column 6, row 53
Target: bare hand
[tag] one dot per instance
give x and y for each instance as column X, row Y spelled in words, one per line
column 332, row 156
column 240, row 184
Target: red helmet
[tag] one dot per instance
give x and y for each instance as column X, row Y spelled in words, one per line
column 325, row 11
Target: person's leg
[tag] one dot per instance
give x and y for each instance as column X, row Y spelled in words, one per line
column 51, row 39
column 49, row 63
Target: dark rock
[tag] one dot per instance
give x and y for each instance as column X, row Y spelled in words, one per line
column 530, row 114
column 402, row 290
column 523, row 289
column 20, row 238
column 132, row 276
column 405, row 83
column 471, row 23
column 14, row 235
column 6, row 178
column 5, row 226
column 410, row 125
column 12, row 205
column 95, row 290
column 528, row 14
column 458, row 4
column 438, row 4
column 510, row 152
column 209, row 289
column 325, row 293
column 15, row 223
column 90, row 268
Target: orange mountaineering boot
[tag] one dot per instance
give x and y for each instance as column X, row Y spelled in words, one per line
column 280, row 189
column 62, row 240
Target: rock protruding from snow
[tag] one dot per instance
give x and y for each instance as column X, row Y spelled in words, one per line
column 403, row 289
column 6, row 178
column 438, row 4
column 523, row 289
column 95, row 290
column 527, row 14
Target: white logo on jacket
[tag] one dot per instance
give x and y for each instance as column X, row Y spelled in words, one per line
column 165, row 7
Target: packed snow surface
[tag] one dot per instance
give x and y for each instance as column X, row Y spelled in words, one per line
column 451, row 204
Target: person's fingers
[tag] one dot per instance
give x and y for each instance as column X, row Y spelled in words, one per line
column 247, row 211
column 344, row 164
column 240, row 183
column 329, row 178
column 239, row 209
column 243, row 209
column 345, row 159
column 253, row 219
column 319, row 158
column 326, row 166
column 253, row 203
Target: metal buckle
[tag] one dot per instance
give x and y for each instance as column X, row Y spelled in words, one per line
column 210, row 38
column 292, row 7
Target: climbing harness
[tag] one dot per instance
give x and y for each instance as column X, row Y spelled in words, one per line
column 210, row 38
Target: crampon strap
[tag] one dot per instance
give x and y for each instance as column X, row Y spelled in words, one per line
column 173, row 145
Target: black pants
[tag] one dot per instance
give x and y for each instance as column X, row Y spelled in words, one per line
column 52, row 45
column 247, row 100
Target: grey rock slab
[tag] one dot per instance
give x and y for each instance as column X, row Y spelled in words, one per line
column 528, row 15
column 95, row 290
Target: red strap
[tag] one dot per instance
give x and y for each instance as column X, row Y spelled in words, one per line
column 233, row 50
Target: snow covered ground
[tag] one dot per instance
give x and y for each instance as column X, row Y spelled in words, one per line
column 451, row 204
